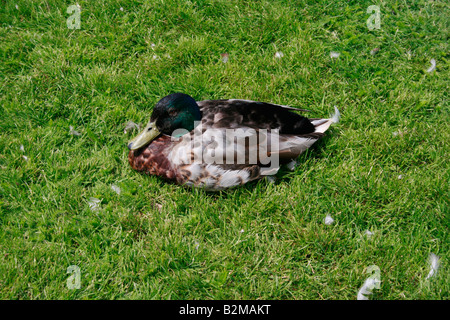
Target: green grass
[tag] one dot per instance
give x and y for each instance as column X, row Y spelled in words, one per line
column 265, row 240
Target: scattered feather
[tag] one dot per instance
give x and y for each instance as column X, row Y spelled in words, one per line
column 130, row 126
column 271, row 179
column 334, row 55
column 152, row 45
column 17, row 7
column 367, row 288
column 279, row 54
column 155, row 57
column 25, row 158
column 196, row 245
column 336, row 116
column 374, row 51
column 242, row 231
column 368, row 233
column 73, row 132
column 398, row 133
column 121, row 9
column 400, row 176
column 408, row 54
column 94, row 203
column 433, row 66
column 224, row 57
column 22, row 148
column 291, row 165
column 116, row 189
column 434, row 265
column 328, row 220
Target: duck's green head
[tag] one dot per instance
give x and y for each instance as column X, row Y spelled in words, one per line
column 175, row 111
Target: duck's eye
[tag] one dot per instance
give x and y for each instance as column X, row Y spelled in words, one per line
column 173, row 113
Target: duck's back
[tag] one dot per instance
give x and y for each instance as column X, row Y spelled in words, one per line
column 235, row 113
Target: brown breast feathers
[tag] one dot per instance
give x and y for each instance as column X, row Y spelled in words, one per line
column 152, row 159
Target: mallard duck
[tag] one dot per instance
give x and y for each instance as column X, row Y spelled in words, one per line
column 218, row 144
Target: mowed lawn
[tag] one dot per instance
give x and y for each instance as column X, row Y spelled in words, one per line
column 381, row 173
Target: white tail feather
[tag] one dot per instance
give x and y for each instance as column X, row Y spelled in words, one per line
column 322, row 125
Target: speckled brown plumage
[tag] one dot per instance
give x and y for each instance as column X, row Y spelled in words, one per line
column 164, row 155
column 153, row 160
